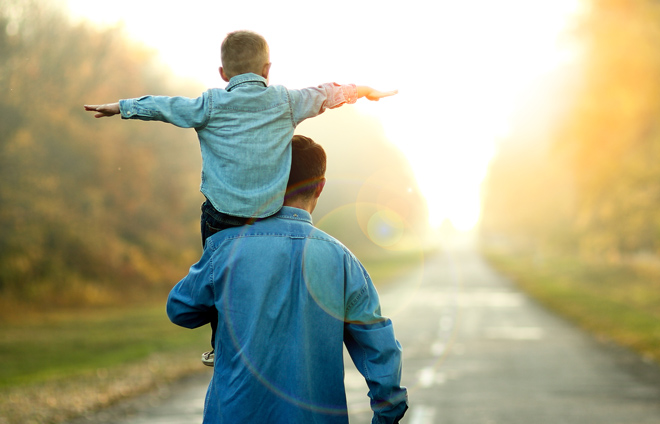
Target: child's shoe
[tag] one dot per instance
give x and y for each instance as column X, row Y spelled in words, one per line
column 208, row 358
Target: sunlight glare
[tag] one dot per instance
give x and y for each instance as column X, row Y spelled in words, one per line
column 460, row 68
column 448, row 122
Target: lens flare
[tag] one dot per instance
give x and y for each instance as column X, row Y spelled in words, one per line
column 385, row 228
column 232, row 323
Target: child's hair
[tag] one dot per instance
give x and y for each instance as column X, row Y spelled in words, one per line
column 242, row 52
column 308, row 162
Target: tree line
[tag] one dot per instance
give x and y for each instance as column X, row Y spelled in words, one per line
column 89, row 208
column 580, row 176
column 92, row 210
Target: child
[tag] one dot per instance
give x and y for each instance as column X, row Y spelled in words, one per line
column 244, row 131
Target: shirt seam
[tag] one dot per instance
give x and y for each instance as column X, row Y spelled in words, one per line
column 288, row 99
column 284, row 235
column 207, row 112
column 296, row 218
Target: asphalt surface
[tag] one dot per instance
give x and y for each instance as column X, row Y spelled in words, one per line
column 476, row 351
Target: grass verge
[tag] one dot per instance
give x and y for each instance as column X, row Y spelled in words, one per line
column 388, row 268
column 56, row 366
column 619, row 302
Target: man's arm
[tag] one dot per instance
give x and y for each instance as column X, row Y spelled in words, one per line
column 192, row 300
column 369, row 339
column 377, row 355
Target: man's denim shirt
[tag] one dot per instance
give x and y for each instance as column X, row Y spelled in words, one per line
column 287, row 295
column 245, row 133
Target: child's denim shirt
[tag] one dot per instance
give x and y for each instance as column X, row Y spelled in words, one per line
column 245, row 133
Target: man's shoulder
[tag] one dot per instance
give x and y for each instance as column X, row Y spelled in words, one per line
column 321, row 237
column 318, row 234
column 299, row 227
column 280, row 226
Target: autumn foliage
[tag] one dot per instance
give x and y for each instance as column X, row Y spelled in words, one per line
column 584, row 178
column 90, row 210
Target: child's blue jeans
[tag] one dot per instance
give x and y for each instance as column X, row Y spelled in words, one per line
column 213, row 221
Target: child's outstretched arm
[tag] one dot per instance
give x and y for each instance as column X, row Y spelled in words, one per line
column 105, row 110
column 180, row 111
column 372, row 94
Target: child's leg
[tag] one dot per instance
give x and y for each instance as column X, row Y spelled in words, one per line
column 212, row 222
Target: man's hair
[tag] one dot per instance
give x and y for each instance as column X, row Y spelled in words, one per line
column 242, row 52
column 308, row 163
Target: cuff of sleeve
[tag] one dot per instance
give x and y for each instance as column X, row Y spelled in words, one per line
column 350, row 93
column 127, row 108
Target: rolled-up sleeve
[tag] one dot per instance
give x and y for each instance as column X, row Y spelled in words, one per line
column 192, row 300
column 183, row 112
column 310, row 102
column 377, row 354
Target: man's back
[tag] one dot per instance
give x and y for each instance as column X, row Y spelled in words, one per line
column 285, row 293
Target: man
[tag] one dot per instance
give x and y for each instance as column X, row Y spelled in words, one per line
column 287, row 296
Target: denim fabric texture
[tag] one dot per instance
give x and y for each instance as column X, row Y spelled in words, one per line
column 245, row 133
column 212, row 221
column 288, row 297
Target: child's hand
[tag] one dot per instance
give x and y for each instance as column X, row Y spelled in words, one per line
column 109, row 109
column 374, row 95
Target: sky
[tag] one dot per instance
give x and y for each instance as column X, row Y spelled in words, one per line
column 460, row 67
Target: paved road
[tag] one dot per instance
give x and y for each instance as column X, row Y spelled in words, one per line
column 477, row 351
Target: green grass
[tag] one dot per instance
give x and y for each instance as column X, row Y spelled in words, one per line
column 53, row 345
column 620, row 302
column 59, row 365
column 391, row 265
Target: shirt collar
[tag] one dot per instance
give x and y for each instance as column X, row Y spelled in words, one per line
column 245, row 78
column 288, row 212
